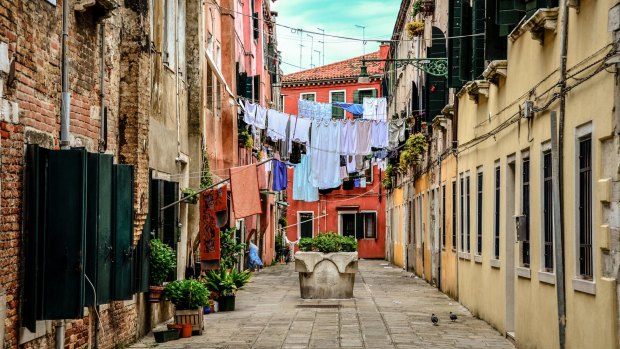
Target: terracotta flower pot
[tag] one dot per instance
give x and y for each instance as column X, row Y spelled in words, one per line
column 186, row 331
column 155, row 293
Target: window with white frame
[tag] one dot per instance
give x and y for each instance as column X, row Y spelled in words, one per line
column 585, row 257
column 337, row 96
column 496, row 215
column 479, row 212
column 468, row 214
column 462, row 206
column 525, row 209
column 547, row 212
column 347, row 224
column 308, row 96
column 369, row 224
column 305, row 224
column 454, row 214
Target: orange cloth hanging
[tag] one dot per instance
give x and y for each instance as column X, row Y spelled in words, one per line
column 244, row 188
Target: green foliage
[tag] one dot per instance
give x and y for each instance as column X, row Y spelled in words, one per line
column 206, row 180
column 328, row 242
column 190, row 196
column 282, row 221
column 414, row 28
column 414, row 147
column 245, row 138
column 417, row 6
column 226, row 283
column 230, row 249
column 187, row 294
column 387, row 180
column 162, row 261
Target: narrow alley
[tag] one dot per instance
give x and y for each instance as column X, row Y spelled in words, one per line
column 390, row 309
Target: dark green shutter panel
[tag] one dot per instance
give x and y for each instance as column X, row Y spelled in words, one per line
column 455, row 46
column 509, row 13
column 171, row 218
column 257, row 88
column 437, row 90
column 122, row 232
column 64, row 238
column 255, row 23
column 478, row 22
column 33, row 235
column 495, row 45
column 141, row 261
column 356, row 97
column 374, row 93
column 465, row 51
column 415, row 100
column 99, row 229
column 156, row 202
column 248, row 87
column 359, row 226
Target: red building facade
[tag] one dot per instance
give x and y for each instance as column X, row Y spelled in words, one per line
column 356, row 212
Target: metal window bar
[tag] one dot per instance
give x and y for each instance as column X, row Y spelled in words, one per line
column 454, row 214
column 585, row 208
column 468, row 230
column 497, row 203
column 443, row 215
column 462, row 216
column 547, row 212
column 525, row 252
column 479, row 220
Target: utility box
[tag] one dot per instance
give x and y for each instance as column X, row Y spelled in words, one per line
column 520, row 225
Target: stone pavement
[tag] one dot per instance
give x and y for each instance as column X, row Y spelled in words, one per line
column 391, row 309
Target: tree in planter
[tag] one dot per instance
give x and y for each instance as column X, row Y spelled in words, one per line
column 187, row 294
column 162, row 262
column 230, row 249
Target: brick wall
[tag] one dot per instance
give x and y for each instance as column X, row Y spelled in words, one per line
column 30, row 113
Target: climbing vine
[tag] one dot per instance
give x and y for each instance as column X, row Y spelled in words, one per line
column 412, row 153
column 206, row 180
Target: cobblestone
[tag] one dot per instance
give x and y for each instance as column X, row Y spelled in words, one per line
column 391, row 309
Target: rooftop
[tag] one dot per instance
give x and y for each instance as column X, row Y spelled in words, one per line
column 349, row 68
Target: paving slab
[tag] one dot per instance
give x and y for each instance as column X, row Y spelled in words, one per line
column 390, row 309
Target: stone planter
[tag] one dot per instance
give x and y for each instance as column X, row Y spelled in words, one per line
column 326, row 275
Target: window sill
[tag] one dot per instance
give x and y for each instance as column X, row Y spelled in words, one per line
column 494, row 263
column 524, row 272
column 44, row 327
column 495, row 70
column 543, row 19
column 465, row 255
column 584, row 286
column 546, row 277
column 478, row 259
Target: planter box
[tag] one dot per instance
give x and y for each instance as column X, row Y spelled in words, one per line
column 194, row 317
column 226, row 303
column 326, row 275
column 166, row 335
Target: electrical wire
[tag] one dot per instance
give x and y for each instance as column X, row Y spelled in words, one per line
column 95, row 301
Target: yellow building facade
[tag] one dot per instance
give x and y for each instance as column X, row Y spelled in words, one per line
column 507, row 262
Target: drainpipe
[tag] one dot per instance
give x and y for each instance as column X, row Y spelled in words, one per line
column 103, row 127
column 559, row 183
column 66, row 97
column 60, row 334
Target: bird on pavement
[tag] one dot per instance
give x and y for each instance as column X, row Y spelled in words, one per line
column 453, row 317
column 435, row 320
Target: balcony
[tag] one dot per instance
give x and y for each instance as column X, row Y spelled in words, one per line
column 544, row 19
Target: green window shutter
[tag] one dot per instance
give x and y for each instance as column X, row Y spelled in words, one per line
column 477, row 27
column 374, row 93
column 436, row 87
column 356, row 97
column 141, row 261
column 455, row 28
column 495, row 45
column 465, row 50
column 337, row 112
column 509, row 13
column 257, row 88
column 248, row 87
column 171, row 217
column 359, row 226
column 64, row 238
column 99, row 229
column 122, row 232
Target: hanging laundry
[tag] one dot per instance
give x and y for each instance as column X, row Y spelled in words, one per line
column 263, row 177
column 244, row 188
column 363, row 182
column 351, row 166
column 261, row 117
column 212, row 201
column 280, row 176
column 379, row 132
column 302, row 189
column 343, row 172
column 355, row 109
column 295, row 156
column 300, row 129
column 249, row 114
column 357, row 182
column 359, row 163
column 375, row 108
column 348, row 138
column 363, row 138
column 276, row 125
column 325, row 154
column 396, row 132
column 314, row 110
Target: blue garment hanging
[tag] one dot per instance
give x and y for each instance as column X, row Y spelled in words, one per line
column 355, row 109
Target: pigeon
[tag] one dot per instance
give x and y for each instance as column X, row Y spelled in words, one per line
column 453, row 317
column 435, row 320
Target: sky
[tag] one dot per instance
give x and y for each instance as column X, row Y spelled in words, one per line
column 336, row 17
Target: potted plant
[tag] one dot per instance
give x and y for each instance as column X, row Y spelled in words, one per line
column 188, row 296
column 414, row 28
column 327, row 265
column 224, row 285
column 412, row 153
column 190, row 196
column 162, row 261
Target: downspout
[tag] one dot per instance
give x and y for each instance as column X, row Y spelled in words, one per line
column 103, row 127
column 66, row 97
column 176, row 80
column 559, row 165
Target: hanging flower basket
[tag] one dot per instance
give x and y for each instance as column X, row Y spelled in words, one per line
column 414, row 28
column 427, row 7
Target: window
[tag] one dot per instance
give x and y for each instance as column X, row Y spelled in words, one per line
column 369, row 224
column 525, row 209
column 347, row 224
column 310, row 96
column 218, row 98
column 218, row 55
column 467, row 230
column 359, row 95
column 305, row 223
column 454, row 214
column 585, row 207
column 210, row 87
column 443, row 216
column 547, row 213
column 181, row 36
column 411, row 212
column 337, row 96
column 462, row 199
column 169, row 39
column 479, row 216
column 496, row 219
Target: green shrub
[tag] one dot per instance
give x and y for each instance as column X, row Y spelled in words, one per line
column 162, row 260
column 226, row 283
column 230, row 249
column 187, row 294
column 328, row 242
